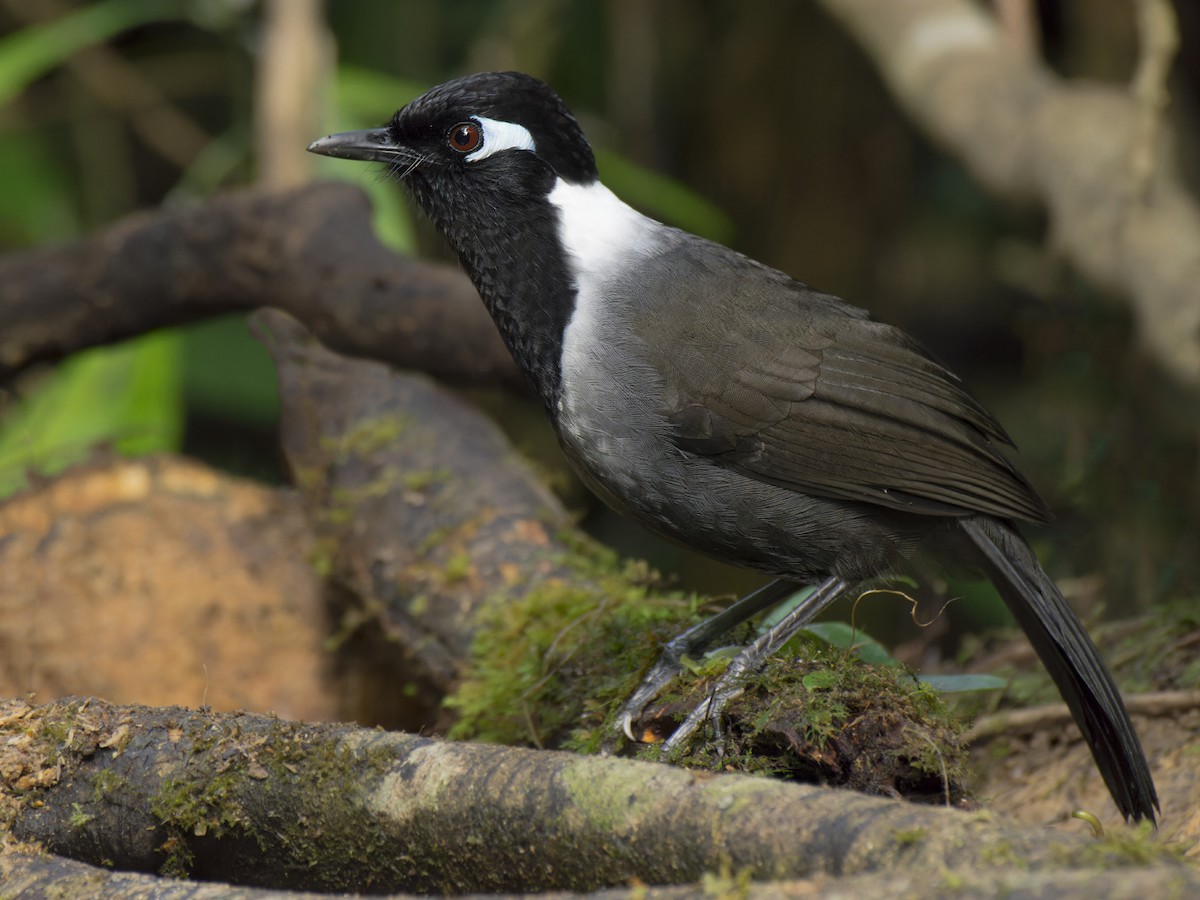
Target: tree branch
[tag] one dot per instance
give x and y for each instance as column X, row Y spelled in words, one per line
column 422, row 509
column 1072, row 145
column 310, row 252
column 257, row 801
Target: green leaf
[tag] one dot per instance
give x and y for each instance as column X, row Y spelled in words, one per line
column 961, row 684
column 30, row 53
column 821, row 680
column 38, row 200
column 855, row 640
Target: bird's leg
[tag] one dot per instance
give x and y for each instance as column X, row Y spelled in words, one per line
column 699, row 639
column 752, row 657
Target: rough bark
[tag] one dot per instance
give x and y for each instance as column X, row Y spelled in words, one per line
column 310, row 252
column 257, row 801
column 422, row 509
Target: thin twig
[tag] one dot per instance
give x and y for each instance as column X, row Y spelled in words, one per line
column 1024, row 721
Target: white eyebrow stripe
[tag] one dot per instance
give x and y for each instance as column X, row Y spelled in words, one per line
column 499, row 136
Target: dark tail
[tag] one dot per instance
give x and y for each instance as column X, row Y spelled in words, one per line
column 1072, row 661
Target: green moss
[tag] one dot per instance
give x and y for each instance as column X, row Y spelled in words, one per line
column 207, row 798
column 599, row 791
column 324, row 556
column 457, row 567
column 79, row 818
column 952, row 881
column 1136, row 845
column 178, row 858
column 343, row 501
column 726, row 884
column 1003, row 854
column 435, row 538
column 418, row 606
column 57, row 731
column 200, row 799
column 552, row 668
column 369, row 435
column 419, row 480
column 201, row 805
column 326, row 772
column 818, row 714
column 821, row 714
column 308, row 478
column 105, row 783
column 908, row 837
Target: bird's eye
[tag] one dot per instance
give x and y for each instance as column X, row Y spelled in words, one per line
column 465, row 137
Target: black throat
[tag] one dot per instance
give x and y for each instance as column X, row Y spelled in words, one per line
column 506, row 236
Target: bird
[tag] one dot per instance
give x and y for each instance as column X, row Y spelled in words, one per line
column 726, row 405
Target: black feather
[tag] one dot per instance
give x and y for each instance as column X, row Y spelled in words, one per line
column 1072, row 661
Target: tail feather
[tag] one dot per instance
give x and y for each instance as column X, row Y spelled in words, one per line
column 1072, row 661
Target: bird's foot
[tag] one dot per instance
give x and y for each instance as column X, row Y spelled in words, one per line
column 694, row 642
column 663, row 673
column 728, row 687
column 732, row 681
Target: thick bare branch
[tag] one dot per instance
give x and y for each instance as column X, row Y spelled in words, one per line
column 1072, row 145
column 310, row 252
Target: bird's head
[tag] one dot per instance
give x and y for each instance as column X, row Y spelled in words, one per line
column 502, row 168
column 488, row 141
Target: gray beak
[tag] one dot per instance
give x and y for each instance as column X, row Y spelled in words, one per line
column 372, row 144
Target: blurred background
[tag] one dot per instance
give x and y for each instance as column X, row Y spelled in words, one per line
column 760, row 125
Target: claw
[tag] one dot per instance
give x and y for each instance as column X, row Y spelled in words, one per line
column 702, row 637
column 627, row 724
column 697, row 640
column 662, row 674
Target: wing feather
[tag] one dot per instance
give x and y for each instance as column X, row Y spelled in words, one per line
column 813, row 395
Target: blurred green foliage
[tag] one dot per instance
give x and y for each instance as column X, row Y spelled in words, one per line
column 127, row 397
column 30, row 53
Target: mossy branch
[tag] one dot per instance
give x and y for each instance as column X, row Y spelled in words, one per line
column 258, row 801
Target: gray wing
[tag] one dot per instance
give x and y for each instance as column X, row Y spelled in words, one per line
column 823, row 400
